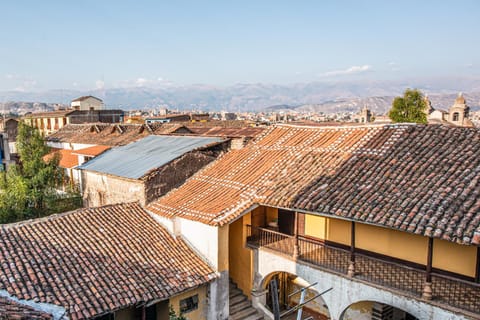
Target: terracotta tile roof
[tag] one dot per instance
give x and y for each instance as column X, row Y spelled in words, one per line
column 420, row 179
column 122, row 134
column 82, row 98
column 91, row 151
column 49, row 114
column 249, row 132
column 67, row 158
column 100, row 134
column 97, row 260
column 11, row 310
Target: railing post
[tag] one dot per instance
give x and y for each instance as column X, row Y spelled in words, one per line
column 477, row 272
column 351, row 265
column 427, row 287
column 295, row 233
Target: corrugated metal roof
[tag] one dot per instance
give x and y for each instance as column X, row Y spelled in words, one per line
column 137, row 158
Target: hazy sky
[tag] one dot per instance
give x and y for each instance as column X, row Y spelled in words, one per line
column 83, row 44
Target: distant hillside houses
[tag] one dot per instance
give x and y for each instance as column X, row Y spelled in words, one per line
column 87, row 109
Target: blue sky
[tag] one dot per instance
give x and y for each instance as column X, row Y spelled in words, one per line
column 86, row 44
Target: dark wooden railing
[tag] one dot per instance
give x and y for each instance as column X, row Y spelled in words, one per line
column 450, row 291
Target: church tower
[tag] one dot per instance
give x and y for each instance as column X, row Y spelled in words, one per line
column 458, row 113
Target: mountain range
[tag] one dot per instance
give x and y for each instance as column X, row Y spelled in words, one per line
column 325, row 97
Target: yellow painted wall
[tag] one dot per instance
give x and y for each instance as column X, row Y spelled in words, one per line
column 393, row 243
column 241, row 269
column 272, row 214
column 335, row 230
column 223, row 248
column 198, row 314
column 454, row 257
column 402, row 245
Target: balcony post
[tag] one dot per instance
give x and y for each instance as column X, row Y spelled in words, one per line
column 295, row 233
column 351, row 266
column 477, row 272
column 427, row 288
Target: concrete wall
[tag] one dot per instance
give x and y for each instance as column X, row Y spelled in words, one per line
column 345, row 291
column 101, row 189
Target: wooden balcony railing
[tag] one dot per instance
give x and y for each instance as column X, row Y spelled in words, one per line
column 410, row 281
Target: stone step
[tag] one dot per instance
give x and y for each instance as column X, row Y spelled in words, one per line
column 235, row 292
column 256, row 316
column 240, row 306
column 245, row 313
column 237, row 299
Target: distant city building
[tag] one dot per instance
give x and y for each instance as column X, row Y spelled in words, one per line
column 458, row 113
column 86, row 109
column 87, row 103
column 8, row 135
column 364, row 116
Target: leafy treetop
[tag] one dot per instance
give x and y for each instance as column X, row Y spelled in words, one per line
column 409, row 108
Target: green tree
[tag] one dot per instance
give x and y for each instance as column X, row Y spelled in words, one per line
column 174, row 316
column 409, row 108
column 28, row 190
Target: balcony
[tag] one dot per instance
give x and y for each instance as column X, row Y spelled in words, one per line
column 450, row 293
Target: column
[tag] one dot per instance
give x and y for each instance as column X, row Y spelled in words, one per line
column 351, row 266
column 427, row 288
column 295, row 233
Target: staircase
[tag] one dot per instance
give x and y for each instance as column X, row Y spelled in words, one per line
column 240, row 307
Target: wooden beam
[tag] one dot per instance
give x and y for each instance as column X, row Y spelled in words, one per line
column 296, row 251
column 352, row 242
column 429, row 260
column 477, row 272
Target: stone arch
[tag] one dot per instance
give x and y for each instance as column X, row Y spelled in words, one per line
column 365, row 309
column 290, row 283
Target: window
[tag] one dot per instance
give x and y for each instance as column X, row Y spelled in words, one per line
column 189, row 304
column 455, row 116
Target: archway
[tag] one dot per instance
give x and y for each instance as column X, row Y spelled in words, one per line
column 372, row 310
column 288, row 293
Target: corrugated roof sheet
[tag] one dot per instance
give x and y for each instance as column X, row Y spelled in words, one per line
column 138, row 158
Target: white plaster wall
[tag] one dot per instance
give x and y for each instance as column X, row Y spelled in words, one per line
column 165, row 222
column 69, row 146
column 87, row 103
column 58, row 145
column 78, row 146
column 203, row 237
column 345, row 291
